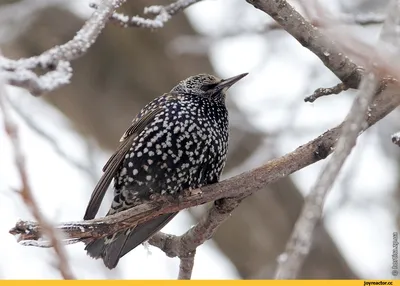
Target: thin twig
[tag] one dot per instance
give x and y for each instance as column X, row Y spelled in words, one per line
column 162, row 15
column 26, row 192
column 326, row 91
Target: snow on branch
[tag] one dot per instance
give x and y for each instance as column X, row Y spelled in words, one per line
column 56, row 61
column 162, row 15
column 320, row 92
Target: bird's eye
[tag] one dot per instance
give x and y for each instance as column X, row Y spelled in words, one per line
column 208, row 86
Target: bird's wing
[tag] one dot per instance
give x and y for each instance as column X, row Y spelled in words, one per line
column 112, row 165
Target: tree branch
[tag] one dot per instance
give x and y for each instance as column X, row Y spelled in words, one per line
column 162, row 15
column 300, row 242
column 56, row 61
column 311, row 38
column 186, row 266
column 326, row 91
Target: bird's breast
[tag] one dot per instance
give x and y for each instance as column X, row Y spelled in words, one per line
column 184, row 147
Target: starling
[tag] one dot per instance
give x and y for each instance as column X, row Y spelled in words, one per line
column 178, row 141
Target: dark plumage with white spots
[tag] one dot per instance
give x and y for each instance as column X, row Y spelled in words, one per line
column 178, row 141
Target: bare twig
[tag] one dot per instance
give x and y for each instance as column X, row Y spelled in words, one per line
column 300, row 242
column 239, row 186
column 326, row 91
column 56, row 61
column 26, row 192
column 162, row 15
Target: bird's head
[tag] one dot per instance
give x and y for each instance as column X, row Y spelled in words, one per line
column 206, row 85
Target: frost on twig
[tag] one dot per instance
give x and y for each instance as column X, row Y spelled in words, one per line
column 162, row 14
column 56, row 61
column 326, row 91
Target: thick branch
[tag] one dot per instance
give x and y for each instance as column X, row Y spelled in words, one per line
column 238, row 187
column 185, row 246
column 204, row 230
column 312, row 38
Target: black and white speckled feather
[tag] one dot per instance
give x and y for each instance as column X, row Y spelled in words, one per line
column 178, row 141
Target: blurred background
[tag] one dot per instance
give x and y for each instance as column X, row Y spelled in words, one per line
column 67, row 136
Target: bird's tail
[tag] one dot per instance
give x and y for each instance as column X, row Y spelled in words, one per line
column 111, row 249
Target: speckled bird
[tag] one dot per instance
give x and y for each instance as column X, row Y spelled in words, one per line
column 178, row 141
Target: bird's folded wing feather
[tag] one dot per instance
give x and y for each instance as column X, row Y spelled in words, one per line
column 112, row 165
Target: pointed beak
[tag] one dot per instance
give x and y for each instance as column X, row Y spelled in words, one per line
column 227, row 83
